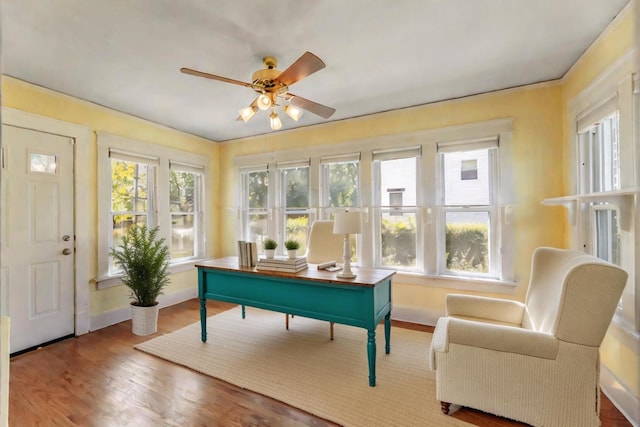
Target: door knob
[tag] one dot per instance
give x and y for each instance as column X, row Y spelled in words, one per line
column 67, row 251
column 66, row 237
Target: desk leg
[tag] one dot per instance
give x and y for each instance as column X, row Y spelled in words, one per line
column 371, row 354
column 387, row 333
column 203, row 318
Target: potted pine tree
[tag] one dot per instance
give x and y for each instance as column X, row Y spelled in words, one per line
column 144, row 260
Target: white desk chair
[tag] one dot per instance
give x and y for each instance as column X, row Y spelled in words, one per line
column 323, row 246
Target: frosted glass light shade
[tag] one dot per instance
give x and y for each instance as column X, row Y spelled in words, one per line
column 347, row 223
column 294, row 112
column 264, row 102
column 247, row 112
column 275, row 121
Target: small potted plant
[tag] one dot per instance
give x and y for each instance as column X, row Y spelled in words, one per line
column 292, row 248
column 144, row 260
column 270, row 246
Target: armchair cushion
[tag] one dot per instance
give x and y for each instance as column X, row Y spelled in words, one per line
column 492, row 337
column 485, row 309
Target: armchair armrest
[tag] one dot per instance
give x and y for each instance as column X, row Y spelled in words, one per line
column 493, row 337
column 490, row 309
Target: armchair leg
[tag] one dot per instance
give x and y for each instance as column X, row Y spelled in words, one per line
column 445, row 407
column 286, row 321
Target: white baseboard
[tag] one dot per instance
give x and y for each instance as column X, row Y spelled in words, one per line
column 620, row 396
column 120, row 315
column 422, row 316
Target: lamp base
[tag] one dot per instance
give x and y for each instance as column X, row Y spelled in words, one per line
column 348, row 275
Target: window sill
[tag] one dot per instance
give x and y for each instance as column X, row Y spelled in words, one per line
column 622, row 199
column 457, row 282
column 109, row 281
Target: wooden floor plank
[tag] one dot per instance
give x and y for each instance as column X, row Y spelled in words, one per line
column 99, row 379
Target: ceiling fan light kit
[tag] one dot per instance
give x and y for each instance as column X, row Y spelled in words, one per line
column 271, row 84
column 294, row 112
column 274, row 121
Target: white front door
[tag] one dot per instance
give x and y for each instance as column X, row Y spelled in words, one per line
column 37, row 236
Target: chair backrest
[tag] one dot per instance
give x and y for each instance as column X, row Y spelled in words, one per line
column 572, row 295
column 323, row 244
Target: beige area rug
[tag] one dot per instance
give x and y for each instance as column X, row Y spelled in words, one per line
column 306, row 370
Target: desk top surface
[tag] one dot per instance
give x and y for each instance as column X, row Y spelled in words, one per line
column 365, row 276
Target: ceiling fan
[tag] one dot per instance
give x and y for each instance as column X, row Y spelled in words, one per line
column 272, row 85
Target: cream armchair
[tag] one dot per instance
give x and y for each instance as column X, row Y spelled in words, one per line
column 536, row 362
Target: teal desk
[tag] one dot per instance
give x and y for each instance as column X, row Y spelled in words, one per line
column 319, row 294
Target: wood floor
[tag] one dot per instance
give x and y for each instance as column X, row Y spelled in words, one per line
column 98, row 379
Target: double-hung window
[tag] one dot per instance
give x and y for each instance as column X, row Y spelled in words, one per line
column 133, row 194
column 255, row 205
column 185, row 205
column 140, row 183
column 599, row 153
column 469, row 223
column 294, row 201
column 396, row 176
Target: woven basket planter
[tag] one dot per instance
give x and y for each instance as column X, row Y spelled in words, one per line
column 144, row 320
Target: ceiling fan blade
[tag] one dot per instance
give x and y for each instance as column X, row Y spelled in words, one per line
column 214, row 77
column 307, row 64
column 310, row 106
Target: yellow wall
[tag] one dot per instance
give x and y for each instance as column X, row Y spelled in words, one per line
column 538, row 172
column 33, row 99
column 621, row 356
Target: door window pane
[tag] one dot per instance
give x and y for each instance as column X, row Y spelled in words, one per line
column 42, row 163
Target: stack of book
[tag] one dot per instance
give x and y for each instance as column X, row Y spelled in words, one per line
column 283, row 264
column 247, row 254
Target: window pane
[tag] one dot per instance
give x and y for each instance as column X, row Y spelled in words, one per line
column 467, row 241
column 605, row 155
column 342, row 184
column 607, row 237
column 296, row 183
column 45, row 163
column 120, row 225
column 258, row 228
column 182, row 191
column 296, row 229
column 182, row 236
column 462, row 191
column 128, row 186
column 257, row 189
column 399, row 239
column 398, row 182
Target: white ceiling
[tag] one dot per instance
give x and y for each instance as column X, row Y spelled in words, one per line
column 380, row 55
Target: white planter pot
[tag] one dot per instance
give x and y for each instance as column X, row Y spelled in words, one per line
column 270, row 253
column 144, row 320
column 292, row 253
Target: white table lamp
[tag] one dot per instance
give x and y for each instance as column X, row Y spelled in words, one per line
column 346, row 223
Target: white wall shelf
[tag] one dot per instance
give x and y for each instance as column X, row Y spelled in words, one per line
column 623, row 199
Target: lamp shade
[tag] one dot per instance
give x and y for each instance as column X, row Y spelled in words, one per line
column 346, row 223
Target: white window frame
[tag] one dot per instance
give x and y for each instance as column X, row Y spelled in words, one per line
column 378, row 210
column 160, row 215
column 283, row 210
column 427, row 207
column 492, row 208
column 198, row 212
